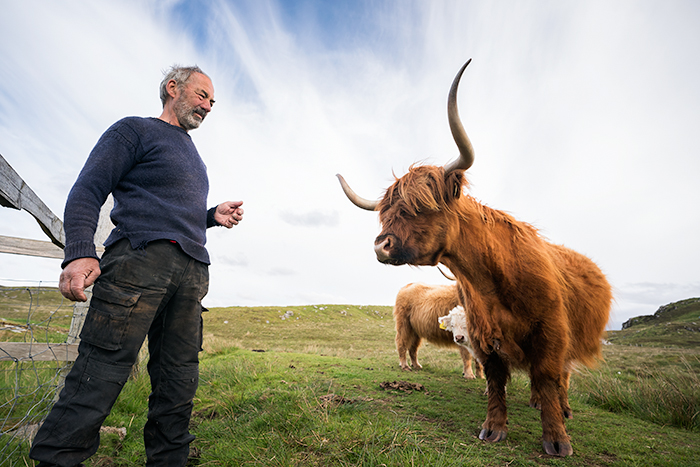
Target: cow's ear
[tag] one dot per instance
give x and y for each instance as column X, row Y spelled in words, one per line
column 454, row 185
column 457, row 190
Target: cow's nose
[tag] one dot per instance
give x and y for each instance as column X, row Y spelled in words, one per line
column 459, row 338
column 382, row 249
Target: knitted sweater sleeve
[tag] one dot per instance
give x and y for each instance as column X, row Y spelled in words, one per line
column 112, row 157
column 211, row 221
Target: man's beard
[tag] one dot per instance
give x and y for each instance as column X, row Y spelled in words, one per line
column 186, row 115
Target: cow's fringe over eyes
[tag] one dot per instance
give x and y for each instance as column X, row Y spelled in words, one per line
column 424, row 188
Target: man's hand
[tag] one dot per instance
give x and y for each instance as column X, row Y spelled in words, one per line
column 78, row 275
column 229, row 213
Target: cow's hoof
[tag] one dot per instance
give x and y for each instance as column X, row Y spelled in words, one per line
column 566, row 410
column 468, row 376
column 557, row 449
column 493, row 436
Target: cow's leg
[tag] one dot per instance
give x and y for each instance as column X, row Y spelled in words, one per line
column 534, row 396
column 564, row 396
column 406, row 341
column 479, row 368
column 467, row 361
column 413, row 352
column 497, row 374
column 548, row 387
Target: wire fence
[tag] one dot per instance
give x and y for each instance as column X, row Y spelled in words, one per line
column 36, row 323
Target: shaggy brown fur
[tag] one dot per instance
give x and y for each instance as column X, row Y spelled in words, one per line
column 532, row 304
column 416, row 313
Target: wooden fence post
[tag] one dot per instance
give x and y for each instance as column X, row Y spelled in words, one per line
column 80, row 309
column 104, row 227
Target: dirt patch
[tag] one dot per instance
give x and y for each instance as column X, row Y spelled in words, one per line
column 404, row 386
column 335, row 400
column 121, row 432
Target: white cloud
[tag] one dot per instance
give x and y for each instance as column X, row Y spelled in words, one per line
column 311, row 219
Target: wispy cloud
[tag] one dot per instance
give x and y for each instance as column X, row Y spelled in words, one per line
column 311, row 219
column 281, row 272
column 656, row 294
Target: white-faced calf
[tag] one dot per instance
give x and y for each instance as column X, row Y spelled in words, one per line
column 416, row 313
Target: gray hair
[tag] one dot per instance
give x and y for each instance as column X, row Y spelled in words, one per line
column 181, row 74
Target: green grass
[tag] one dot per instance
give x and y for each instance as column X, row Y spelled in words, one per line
column 272, row 409
column 38, row 314
column 306, row 392
column 36, row 304
column 652, row 371
column 668, row 395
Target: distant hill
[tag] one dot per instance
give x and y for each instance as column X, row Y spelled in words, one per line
column 673, row 325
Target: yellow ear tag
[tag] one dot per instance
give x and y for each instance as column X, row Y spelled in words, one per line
column 442, row 326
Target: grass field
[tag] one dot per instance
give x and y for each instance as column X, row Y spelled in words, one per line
column 302, row 386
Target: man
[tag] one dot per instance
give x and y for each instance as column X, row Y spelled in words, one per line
column 149, row 282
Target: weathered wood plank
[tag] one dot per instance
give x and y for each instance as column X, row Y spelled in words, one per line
column 42, row 352
column 24, row 246
column 9, row 193
column 15, row 193
column 28, row 247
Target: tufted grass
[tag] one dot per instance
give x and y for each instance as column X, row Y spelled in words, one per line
column 666, row 394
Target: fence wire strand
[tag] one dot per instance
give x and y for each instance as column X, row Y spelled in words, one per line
column 30, row 315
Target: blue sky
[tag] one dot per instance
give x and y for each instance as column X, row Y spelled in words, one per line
column 583, row 116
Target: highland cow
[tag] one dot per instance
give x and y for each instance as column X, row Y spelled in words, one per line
column 532, row 304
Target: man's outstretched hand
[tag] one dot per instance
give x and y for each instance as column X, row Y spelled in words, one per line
column 229, row 213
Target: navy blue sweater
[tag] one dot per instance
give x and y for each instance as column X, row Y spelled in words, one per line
column 159, row 184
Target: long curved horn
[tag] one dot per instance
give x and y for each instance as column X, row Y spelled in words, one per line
column 466, row 151
column 354, row 198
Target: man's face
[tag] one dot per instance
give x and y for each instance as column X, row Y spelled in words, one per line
column 194, row 101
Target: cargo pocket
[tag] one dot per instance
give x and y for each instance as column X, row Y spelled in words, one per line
column 108, row 318
column 201, row 328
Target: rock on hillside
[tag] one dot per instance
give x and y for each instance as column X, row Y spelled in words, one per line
column 676, row 325
column 672, row 312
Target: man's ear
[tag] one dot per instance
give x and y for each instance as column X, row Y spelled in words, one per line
column 171, row 88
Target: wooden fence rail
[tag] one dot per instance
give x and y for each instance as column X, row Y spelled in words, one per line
column 16, row 194
column 25, row 246
column 38, row 351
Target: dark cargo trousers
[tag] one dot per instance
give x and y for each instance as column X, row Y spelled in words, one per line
column 155, row 291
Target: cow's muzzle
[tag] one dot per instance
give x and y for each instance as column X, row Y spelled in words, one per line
column 382, row 250
column 387, row 251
